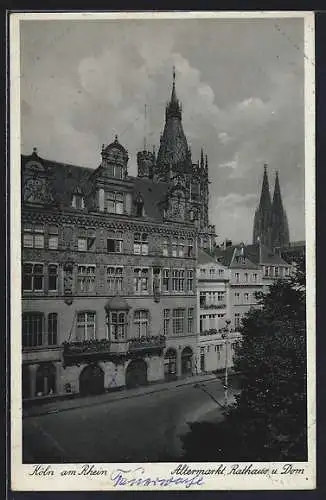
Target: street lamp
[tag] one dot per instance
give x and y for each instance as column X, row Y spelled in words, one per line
column 225, row 336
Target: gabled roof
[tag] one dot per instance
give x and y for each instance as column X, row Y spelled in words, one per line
column 205, row 258
column 66, row 180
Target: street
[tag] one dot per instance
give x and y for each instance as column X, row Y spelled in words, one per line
column 139, row 429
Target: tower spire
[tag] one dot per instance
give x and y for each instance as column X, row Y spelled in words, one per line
column 145, row 124
column 201, row 158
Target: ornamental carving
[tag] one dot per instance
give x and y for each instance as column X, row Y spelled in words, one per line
column 68, row 269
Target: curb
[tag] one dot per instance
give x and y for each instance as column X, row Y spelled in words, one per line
column 130, row 396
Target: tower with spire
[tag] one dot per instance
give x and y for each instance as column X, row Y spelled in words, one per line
column 279, row 221
column 270, row 221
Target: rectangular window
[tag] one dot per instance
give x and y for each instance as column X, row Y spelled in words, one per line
column 220, row 296
column 181, row 247
column 166, row 322
column 33, row 277
column 237, row 277
column 246, row 297
column 91, row 239
column 190, row 320
column 117, row 325
column 33, row 236
column 78, row 201
column 254, row 277
column 165, row 283
column 165, row 248
column 141, row 244
column 114, row 202
column 246, row 277
column 52, row 329
column 53, row 277
column 178, row 280
column 114, row 244
column 190, row 280
column 237, row 296
column 114, row 278
column 178, row 319
column 174, row 248
column 212, row 272
column 86, row 278
column 266, row 271
column 85, row 328
column 141, row 278
column 82, row 240
column 32, row 329
column 220, row 272
column 141, row 323
column 276, row 272
column 53, row 237
column 202, row 299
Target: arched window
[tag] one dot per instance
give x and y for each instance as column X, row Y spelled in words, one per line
column 139, row 206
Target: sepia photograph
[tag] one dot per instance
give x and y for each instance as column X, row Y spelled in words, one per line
column 162, row 245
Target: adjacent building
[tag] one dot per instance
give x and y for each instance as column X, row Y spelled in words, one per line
column 109, row 266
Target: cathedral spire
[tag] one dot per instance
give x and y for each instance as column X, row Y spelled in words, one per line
column 173, row 109
column 262, row 220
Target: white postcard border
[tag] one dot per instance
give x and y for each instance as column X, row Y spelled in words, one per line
column 22, row 478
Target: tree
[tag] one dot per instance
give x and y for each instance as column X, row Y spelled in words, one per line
column 268, row 420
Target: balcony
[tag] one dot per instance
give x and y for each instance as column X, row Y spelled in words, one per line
column 115, row 351
column 86, row 350
column 147, row 345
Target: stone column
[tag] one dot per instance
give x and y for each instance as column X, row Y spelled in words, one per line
column 32, row 380
column 178, row 361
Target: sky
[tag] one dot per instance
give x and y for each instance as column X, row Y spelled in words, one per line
column 240, row 81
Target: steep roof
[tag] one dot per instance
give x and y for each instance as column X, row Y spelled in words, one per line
column 205, row 258
column 263, row 255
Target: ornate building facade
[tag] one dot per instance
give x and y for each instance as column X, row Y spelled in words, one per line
column 109, row 267
column 270, row 221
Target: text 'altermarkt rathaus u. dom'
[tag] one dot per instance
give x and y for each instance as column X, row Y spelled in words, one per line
column 109, row 266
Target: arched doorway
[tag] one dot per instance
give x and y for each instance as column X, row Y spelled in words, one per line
column 186, row 361
column 91, row 380
column 170, row 365
column 136, row 374
column 45, row 384
column 26, row 382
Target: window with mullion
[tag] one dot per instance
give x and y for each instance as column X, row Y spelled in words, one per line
column 53, row 277
column 178, row 319
column 117, row 322
column 141, row 323
column 32, row 329
column 141, row 279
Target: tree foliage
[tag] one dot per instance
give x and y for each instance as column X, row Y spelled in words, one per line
column 268, row 420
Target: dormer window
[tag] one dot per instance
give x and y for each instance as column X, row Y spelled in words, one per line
column 78, row 201
column 114, row 202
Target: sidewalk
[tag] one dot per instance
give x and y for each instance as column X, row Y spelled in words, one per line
column 58, row 405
